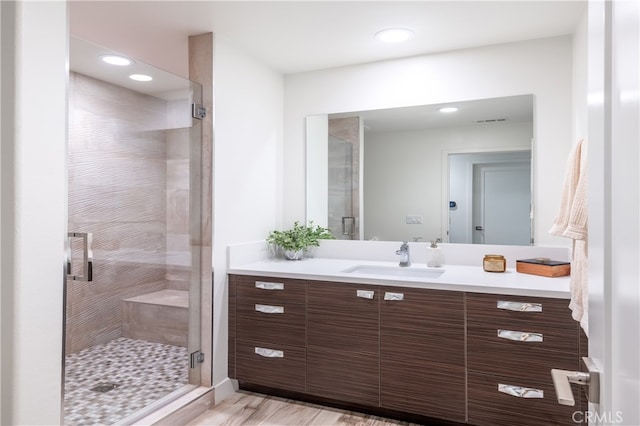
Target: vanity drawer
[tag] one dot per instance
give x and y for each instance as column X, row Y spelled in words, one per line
column 274, row 291
column 270, row 310
column 275, row 323
column 538, row 311
column 530, row 360
column 515, row 360
column 276, row 366
column 494, row 401
column 528, row 344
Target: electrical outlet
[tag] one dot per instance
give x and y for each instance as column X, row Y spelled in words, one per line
column 413, row 219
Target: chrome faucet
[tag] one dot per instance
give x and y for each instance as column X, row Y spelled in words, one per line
column 403, row 252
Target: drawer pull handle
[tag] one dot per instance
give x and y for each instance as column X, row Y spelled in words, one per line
column 393, row 296
column 520, row 336
column 365, row 294
column 268, row 309
column 269, row 353
column 520, row 392
column 269, row 286
column 519, row 306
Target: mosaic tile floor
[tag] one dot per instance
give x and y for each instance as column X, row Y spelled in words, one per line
column 143, row 372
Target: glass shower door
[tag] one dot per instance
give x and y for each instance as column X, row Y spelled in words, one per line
column 134, row 220
column 341, row 217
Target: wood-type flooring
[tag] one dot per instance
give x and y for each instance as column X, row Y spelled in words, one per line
column 248, row 408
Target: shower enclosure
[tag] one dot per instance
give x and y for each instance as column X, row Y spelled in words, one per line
column 341, row 218
column 343, row 198
column 132, row 290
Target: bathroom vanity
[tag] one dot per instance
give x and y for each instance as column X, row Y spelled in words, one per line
column 464, row 346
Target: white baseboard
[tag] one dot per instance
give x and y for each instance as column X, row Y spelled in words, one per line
column 224, row 389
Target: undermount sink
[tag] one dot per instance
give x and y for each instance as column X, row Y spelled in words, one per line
column 394, row 271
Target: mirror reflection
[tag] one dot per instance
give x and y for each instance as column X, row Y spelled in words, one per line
column 422, row 173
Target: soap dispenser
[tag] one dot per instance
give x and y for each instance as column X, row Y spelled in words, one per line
column 434, row 255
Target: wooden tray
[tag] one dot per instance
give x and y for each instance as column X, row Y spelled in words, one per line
column 544, row 267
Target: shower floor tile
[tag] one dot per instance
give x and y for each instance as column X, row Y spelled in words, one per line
column 141, row 371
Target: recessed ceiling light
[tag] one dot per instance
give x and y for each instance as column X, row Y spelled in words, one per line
column 116, row 60
column 394, row 35
column 140, row 77
column 448, row 109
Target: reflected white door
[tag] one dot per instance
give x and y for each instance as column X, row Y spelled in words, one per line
column 502, row 203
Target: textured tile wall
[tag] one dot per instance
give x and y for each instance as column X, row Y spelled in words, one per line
column 178, row 240
column 344, row 178
column 127, row 186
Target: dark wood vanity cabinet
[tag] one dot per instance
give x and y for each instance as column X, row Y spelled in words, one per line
column 267, row 332
column 480, row 359
column 422, row 352
column 343, row 342
column 513, row 342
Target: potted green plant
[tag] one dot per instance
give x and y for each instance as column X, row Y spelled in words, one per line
column 295, row 241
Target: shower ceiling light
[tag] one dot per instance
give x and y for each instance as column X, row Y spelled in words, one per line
column 448, row 109
column 140, row 77
column 116, row 60
column 394, row 35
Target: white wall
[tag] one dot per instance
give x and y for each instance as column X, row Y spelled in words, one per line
column 247, row 168
column 403, row 175
column 541, row 67
column 580, row 88
column 33, row 200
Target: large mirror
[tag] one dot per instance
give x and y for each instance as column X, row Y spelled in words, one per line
column 459, row 175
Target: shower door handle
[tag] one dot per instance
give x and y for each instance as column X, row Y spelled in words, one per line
column 348, row 225
column 87, row 256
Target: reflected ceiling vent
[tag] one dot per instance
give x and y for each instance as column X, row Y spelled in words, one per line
column 492, row 120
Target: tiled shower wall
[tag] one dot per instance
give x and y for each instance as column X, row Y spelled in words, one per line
column 128, row 181
column 178, row 239
column 344, row 199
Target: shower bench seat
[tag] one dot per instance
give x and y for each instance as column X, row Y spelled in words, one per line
column 161, row 317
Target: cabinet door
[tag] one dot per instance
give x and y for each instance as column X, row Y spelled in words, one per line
column 343, row 342
column 422, row 351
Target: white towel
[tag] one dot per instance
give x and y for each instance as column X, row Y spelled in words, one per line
column 571, row 222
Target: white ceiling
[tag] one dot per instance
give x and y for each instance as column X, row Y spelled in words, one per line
column 510, row 109
column 292, row 37
column 298, row 36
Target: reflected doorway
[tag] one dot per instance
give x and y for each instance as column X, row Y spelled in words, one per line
column 502, row 203
column 490, row 198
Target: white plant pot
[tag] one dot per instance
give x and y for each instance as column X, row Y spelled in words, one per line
column 294, row 254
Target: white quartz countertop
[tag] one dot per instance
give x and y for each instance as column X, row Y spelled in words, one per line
column 455, row 277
